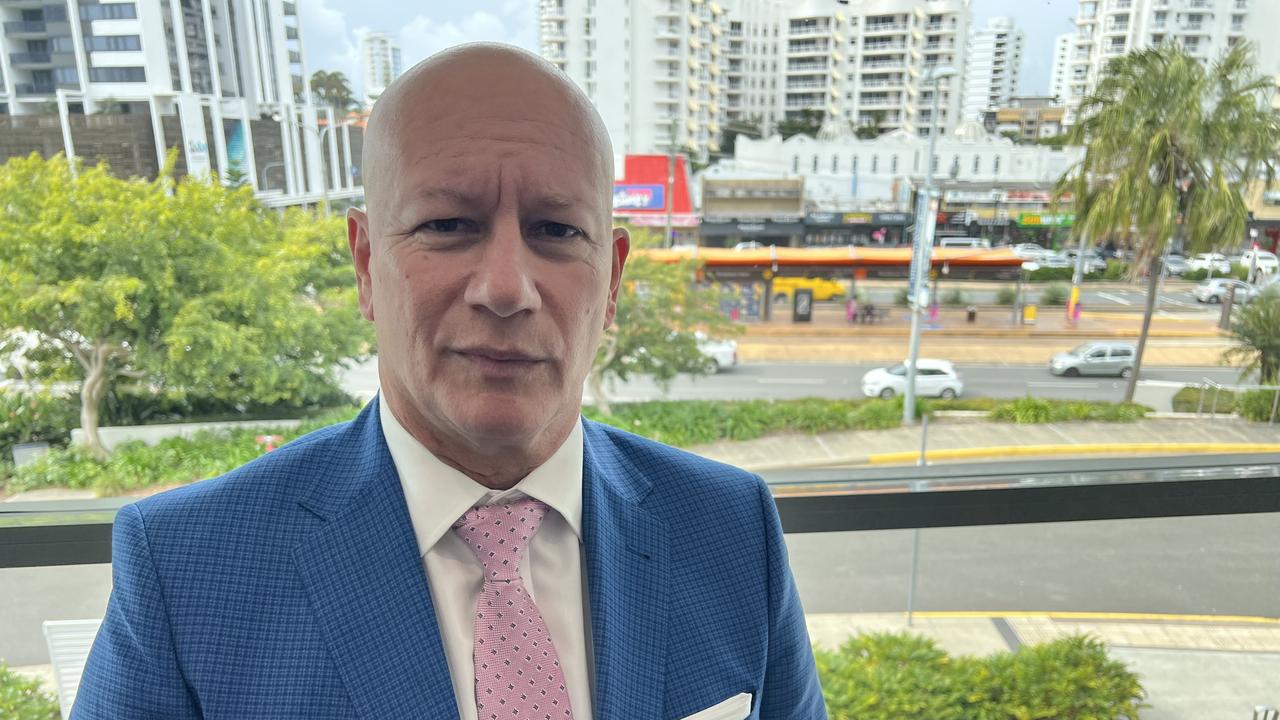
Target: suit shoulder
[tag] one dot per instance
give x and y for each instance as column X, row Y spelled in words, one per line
column 277, row 475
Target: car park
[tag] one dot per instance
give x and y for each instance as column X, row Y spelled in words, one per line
column 934, row 378
column 1215, row 261
column 1095, row 358
column 1175, row 265
column 1215, row 291
column 1265, row 262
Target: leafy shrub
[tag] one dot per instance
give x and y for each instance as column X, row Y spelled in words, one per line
column 1189, row 400
column 1117, row 270
column 1049, row 274
column 1006, row 295
column 1024, row 411
column 1195, row 275
column 35, row 417
column 1031, row 410
column 894, row 676
column 1054, row 295
column 1256, row 405
column 955, row 297
column 22, row 699
column 1239, row 272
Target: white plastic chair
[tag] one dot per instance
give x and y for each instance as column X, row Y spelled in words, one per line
column 69, row 642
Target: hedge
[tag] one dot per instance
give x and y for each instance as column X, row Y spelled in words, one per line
column 22, row 699
column 887, row 676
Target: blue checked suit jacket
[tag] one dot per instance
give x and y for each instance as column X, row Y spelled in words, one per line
column 292, row 587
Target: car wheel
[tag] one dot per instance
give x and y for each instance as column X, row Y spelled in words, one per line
column 1215, row 300
column 886, row 394
column 1125, row 373
column 1071, row 372
column 948, row 394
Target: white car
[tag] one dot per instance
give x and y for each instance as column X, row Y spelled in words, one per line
column 1266, row 261
column 724, row 352
column 1215, row 291
column 1030, row 251
column 1219, row 262
column 934, row 378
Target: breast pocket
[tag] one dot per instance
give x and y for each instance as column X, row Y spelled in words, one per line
column 737, row 707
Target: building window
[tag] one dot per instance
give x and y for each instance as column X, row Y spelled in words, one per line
column 835, row 164
column 117, row 74
column 875, row 164
column 934, row 167
column 113, row 11
column 995, row 165
column 853, row 161
column 795, row 164
column 815, row 164
column 893, row 164
column 977, row 164
column 110, row 43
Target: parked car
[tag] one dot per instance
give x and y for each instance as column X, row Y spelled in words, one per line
column 1214, row 290
column 934, row 378
column 1175, row 265
column 1266, row 261
column 748, row 245
column 1204, row 261
column 1096, row 358
column 1030, row 251
column 1055, row 260
column 1093, row 261
column 724, row 352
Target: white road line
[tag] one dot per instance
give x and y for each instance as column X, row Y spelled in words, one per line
column 790, row 381
column 1114, row 298
column 1089, row 386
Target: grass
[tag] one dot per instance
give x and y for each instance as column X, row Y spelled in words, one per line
column 1188, row 399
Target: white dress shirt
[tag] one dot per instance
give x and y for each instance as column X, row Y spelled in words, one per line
column 437, row 495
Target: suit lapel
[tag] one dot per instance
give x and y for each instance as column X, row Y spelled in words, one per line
column 626, row 553
column 368, row 587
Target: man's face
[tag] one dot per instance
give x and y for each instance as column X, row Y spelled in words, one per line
column 491, row 269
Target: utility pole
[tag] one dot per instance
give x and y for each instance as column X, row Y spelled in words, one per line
column 922, row 248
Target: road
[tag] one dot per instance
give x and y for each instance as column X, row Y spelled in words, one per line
column 783, row 381
column 1198, row 565
column 1177, row 299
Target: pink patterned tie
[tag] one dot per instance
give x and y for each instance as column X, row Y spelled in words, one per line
column 518, row 674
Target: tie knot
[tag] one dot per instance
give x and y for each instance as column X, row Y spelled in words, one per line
column 499, row 534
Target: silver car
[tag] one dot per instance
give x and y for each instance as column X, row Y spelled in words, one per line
column 1215, row 290
column 1095, row 358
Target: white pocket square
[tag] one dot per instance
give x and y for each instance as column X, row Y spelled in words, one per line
column 737, row 707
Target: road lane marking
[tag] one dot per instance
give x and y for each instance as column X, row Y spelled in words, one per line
column 790, row 381
column 1084, row 386
column 1113, row 298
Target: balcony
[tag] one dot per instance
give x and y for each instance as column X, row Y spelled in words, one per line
column 872, row 64
column 290, row 7
column 881, row 28
column 24, row 28
column 809, row 31
column 29, row 89
column 809, row 67
column 878, row 48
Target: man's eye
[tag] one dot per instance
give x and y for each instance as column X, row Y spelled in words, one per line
column 445, row 225
column 560, row 230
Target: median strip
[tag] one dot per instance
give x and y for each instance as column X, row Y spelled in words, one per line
column 899, row 458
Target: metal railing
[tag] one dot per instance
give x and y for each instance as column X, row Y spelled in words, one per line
column 1206, row 385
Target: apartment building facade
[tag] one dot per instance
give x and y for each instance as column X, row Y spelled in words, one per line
column 379, row 63
column 1107, row 29
column 224, row 80
column 993, row 67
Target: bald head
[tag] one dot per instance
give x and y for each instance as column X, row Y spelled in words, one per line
column 469, row 88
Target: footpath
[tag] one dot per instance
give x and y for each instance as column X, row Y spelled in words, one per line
column 1176, row 339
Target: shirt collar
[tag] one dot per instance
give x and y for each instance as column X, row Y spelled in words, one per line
column 437, row 494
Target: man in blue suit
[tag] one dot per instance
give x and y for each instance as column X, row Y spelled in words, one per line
column 468, row 547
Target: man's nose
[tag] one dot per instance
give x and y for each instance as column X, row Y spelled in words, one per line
column 504, row 283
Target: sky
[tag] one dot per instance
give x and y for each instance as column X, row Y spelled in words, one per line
column 330, row 29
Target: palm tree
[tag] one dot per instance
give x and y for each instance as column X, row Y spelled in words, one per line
column 1169, row 145
column 333, row 89
column 1256, row 331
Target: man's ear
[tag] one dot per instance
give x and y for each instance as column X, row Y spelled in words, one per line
column 358, row 240
column 621, row 248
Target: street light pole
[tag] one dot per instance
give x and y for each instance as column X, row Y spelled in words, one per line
column 320, row 136
column 922, row 248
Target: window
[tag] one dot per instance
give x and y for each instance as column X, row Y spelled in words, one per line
column 854, row 163
column 835, row 164
column 977, row 164
column 875, row 164
column 893, row 164
column 107, row 43
column 995, row 165
column 113, row 11
column 117, row 74
column 815, row 164
column 795, row 163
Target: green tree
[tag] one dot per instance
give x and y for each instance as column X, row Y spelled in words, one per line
column 871, row 130
column 807, row 122
column 1256, row 330
column 333, row 89
column 662, row 309
column 1169, row 144
column 189, row 289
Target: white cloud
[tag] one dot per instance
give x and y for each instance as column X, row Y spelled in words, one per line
column 329, row 44
column 423, row 36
